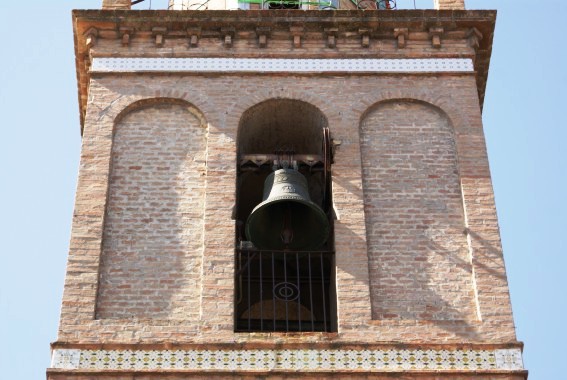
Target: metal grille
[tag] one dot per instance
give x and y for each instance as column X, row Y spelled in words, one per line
column 283, row 291
column 292, row 4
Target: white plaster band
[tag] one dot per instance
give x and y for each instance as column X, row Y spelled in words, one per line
column 290, row 65
column 290, row 359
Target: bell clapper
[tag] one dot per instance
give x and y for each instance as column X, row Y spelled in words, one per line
column 287, row 229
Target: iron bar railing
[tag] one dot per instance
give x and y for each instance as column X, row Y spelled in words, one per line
column 283, row 291
column 321, row 4
column 375, row 4
column 292, row 4
column 285, row 4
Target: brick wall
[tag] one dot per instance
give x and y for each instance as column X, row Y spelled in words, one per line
column 116, row 4
column 344, row 101
column 449, row 4
column 153, row 233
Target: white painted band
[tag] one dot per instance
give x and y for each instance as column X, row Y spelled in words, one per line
column 290, row 65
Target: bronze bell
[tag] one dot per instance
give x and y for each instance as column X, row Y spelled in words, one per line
column 287, row 218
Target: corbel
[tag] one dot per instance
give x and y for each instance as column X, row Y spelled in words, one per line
column 87, row 62
column 435, row 34
column 474, row 35
column 263, row 34
column 194, row 35
column 227, row 36
column 125, row 32
column 365, row 37
column 90, row 37
column 331, row 37
column 401, row 34
column 159, row 34
column 296, row 33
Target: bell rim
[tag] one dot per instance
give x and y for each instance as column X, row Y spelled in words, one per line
column 282, row 198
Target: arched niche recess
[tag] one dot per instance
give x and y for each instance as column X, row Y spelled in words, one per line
column 419, row 263
column 153, row 230
column 273, row 288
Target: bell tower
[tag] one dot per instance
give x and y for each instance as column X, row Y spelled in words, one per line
column 286, row 189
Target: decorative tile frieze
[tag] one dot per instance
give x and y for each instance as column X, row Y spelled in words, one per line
column 66, row 359
column 290, row 359
column 290, row 65
column 508, row 359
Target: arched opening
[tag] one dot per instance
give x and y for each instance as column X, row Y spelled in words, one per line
column 284, row 285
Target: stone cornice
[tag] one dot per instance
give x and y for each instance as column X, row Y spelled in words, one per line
column 423, row 18
column 162, row 33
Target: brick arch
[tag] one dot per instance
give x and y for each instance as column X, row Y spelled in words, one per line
column 442, row 103
column 305, row 110
column 237, row 109
column 414, row 213
column 122, row 109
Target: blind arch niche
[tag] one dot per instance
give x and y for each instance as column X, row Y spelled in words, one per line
column 419, row 262
column 153, row 231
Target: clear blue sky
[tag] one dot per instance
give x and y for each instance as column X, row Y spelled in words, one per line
column 526, row 132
